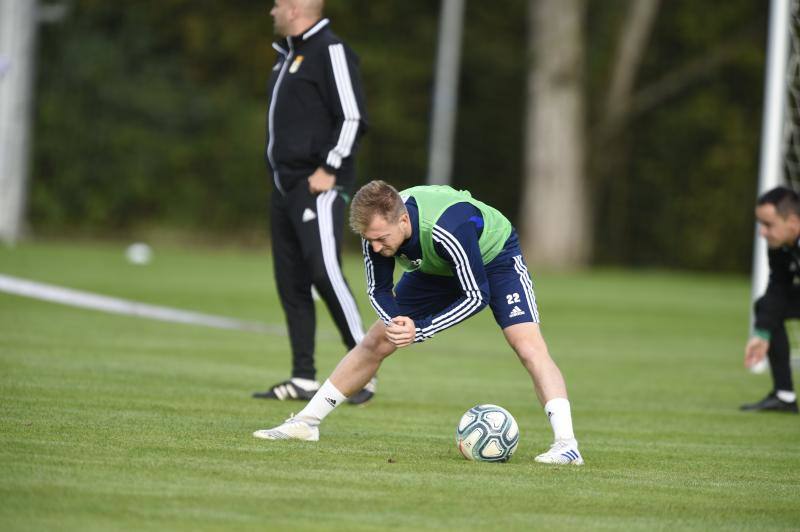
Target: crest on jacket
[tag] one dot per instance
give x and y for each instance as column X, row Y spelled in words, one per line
column 296, row 64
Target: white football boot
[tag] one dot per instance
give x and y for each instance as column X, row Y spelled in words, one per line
column 291, row 429
column 562, row 452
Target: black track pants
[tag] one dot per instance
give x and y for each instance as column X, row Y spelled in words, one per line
column 306, row 232
column 779, row 347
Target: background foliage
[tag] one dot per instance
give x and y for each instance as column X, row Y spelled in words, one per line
column 152, row 113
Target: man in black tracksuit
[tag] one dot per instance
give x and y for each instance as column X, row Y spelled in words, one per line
column 778, row 214
column 315, row 117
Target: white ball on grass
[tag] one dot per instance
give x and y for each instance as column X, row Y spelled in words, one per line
column 139, row 253
column 487, row 433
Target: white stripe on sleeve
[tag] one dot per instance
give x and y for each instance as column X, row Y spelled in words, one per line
column 370, row 271
column 347, row 98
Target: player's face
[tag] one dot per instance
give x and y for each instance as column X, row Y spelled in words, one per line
column 282, row 12
column 777, row 230
column 385, row 237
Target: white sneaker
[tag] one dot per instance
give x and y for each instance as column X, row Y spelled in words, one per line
column 292, row 429
column 562, row 452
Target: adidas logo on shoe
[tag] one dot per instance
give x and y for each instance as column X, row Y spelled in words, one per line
column 288, row 390
column 562, row 452
column 516, row 311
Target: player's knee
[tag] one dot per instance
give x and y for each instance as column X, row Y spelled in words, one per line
column 370, row 343
column 376, row 343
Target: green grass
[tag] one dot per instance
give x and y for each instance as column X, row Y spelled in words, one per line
column 119, row 423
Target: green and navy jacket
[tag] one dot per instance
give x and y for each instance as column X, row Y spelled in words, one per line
column 453, row 235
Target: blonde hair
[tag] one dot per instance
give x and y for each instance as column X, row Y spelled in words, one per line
column 376, row 198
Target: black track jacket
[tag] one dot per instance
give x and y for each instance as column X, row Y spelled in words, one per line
column 784, row 267
column 316, row 110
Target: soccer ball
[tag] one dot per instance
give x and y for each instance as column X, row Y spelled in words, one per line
column 488, row 433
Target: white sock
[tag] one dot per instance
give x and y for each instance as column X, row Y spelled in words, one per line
column 558, row 412
column 787, row 396
column 324, row 401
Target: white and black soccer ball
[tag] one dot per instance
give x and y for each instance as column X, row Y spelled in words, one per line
column 488, row 433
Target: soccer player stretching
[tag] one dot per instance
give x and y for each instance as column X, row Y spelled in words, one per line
column 459, row 255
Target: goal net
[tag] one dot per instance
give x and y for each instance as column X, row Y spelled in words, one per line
column 791, row 121
column 791, row 137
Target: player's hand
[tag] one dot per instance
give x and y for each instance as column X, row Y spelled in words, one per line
column 755, row 351
column 401, row 331
column 320, row 181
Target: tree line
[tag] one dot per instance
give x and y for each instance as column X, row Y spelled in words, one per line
column 153, row 114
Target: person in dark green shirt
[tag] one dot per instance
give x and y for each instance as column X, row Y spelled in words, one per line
column 778, row 215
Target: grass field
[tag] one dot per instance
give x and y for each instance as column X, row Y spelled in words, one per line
column 120, row 423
